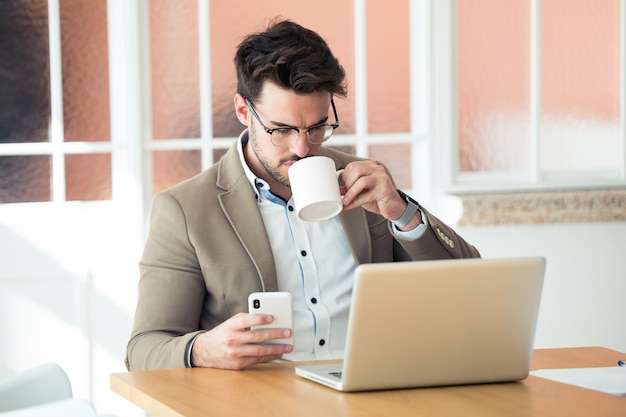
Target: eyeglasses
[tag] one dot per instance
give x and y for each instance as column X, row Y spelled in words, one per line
column 283, row 136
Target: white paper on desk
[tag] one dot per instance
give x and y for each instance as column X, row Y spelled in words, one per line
column 611, row 380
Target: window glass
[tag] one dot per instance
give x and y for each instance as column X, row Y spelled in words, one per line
column 25, row 179
column 85, row 70
column 24, row 72
column 174, row 69
column 493, row 85
column 579, row 82
column 397, row 157
column 88, row 177
column 580, row 87
column 172, row 167
column 25, row 103
column 218, row 153
column 230, row 21
column 388, row 57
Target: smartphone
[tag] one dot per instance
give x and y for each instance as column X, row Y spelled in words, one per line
column 277, row 304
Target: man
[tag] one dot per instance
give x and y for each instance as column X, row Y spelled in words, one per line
column 231, row 230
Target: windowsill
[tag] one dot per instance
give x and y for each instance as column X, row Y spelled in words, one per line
column 585, row 206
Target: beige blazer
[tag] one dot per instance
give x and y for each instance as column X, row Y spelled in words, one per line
column 207, row 250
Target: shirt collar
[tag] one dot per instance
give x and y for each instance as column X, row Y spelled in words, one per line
column 257, row 184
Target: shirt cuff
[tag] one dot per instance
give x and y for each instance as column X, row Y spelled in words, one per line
column 412, row 234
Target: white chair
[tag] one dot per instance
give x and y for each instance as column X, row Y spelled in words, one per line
column 41, row 391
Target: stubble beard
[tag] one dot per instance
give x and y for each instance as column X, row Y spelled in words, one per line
column 272, row 171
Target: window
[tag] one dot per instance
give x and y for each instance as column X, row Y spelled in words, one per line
column 540, row 94
column 193, row 120
column 54, row 107
column 67, row 139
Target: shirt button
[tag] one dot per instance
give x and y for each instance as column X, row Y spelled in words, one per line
column 290, row 208
column 322, row 342
column 314, row 300
column 303, row 253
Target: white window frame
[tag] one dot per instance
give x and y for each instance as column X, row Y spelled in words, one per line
column 132, row 145
column 56, row 147
column 452, row 180
column 433, row 133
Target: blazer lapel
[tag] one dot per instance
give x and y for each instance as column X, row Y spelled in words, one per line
column 241, row 209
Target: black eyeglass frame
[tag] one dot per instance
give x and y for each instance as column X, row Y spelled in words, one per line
column 306, row 131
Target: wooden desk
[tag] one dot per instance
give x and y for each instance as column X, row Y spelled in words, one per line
column 274, row 390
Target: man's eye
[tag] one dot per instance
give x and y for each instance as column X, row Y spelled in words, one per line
column 316, row 130
column 283, row 132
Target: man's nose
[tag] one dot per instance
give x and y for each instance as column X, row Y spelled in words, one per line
column 300, row 145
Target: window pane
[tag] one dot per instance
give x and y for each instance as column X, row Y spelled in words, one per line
column 24, row 72
column 232, row 20
column 388, row 67
column 493, row 85
column 88, row 177
column 172, row 167
column 85, row 70
column 397, row 157
column 580, row 59
column 25, row 179
column 175, row 80
column 218, row 153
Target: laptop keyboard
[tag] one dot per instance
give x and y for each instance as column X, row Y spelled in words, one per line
column 337, row 374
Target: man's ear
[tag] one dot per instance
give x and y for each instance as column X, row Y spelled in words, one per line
column 242, row 110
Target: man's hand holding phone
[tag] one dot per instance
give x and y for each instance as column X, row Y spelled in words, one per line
column 247, row 339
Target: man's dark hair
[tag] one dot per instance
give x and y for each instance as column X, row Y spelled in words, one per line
column 290, row 56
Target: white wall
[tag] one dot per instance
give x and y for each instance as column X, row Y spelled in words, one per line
column 583, row 300
column 68, row 279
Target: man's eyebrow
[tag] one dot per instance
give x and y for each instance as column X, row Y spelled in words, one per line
column 287, row 126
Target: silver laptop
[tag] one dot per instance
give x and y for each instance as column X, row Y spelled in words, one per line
column 434, row 323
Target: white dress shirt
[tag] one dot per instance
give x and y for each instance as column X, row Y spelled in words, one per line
column 315, row 264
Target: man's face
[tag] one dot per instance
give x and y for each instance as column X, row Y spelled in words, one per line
column 279, row 108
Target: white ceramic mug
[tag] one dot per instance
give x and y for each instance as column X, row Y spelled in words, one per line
column 315, row 188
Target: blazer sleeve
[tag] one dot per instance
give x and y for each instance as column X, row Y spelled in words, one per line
column 439, row 241
column 171, row 292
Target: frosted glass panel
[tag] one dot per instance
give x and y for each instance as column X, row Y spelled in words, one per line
column 172, row 167
column 232, row 20
column 493, row 85
column 218, row 153
column 175, row 71
column 24, row 72
column 397, row 157
column 580, row 120
column 85, row 70
column 388, row 56
column 88, row 177
column 25, row 179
